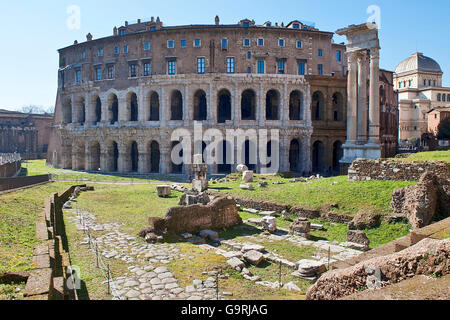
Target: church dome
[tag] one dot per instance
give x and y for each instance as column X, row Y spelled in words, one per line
column 418, row 62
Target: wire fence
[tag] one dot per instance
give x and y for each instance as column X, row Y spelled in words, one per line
column 104, row 267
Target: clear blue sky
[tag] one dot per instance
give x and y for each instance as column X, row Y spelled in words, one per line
column 34, row 30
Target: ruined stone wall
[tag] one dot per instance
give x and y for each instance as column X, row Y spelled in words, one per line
column 10, row 169
column 20, row 182
column 365, row 169
column 50, row 280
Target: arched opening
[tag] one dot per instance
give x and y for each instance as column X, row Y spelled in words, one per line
column 318, row 154
column 337, row 156
column 200, row 106
column 176, row 105
column 224, row 106
column 338, row 107
column 296, row 105
column 248, row 105
column 250, row 155
column 115, row 157
column 98, row 110
column 154, row 157
column 154, row 107
column 177, row 168
column 80, row 110
column 67, row 156
column 94, row 154
column 134, row 157
column 113, row 108
column 224, row 152
column 133, row 107
column 80, row 157
column 272, row 105
column 294, row 156
column 318, row 106
column 67, row 111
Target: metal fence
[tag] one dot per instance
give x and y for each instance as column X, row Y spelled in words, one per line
column 9, row 158
column 104, row 267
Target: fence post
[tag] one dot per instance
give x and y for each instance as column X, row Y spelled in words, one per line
column 96, row 253
column 280, row 276
column 108, row 275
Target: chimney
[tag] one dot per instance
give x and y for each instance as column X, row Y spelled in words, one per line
column 139, row 21
column 115, row 32
column 217, row 20
column 89, row 37
column 126, row 23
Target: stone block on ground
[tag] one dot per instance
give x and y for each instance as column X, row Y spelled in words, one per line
column 301, row 227
column 253, row 257
column 310, row 268
column 209, row 234
column 269, row 224
column 255, row 247
column 247, row 187
column 163, row 191
column 241, row 168
column 358, row 236
column 247, row 176
column 236, row 264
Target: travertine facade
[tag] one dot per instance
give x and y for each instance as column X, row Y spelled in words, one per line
column 121, row 97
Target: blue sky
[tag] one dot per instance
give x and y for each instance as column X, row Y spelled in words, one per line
column 34, row 30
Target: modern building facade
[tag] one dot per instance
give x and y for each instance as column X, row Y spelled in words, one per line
column 121, row 97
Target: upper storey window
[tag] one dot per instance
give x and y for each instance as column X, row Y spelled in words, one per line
column 246, row 42
column 301, row 68
column 320, row 69
column 281, row 67
column 147, row 46
column 299, row 44
column 100, row 52
column 224, row 44
column 260, row 42
column 197, row 43
column 147, row 70
column 246, row 24
column 170, row 44
column 78, row 76
column 296, row 26
column 201, row 65
column 83, row 55
column 261, row 66
column 116, row 50
column 171, row 67
column 98, row 74
column 123, row 32
column 439, row 97
column 133, row 71
column 230, row 65
column 339, row 56
column 320, row 53
column 281, row 42
column 110, row 72
column 183, row 43
column 125, row 49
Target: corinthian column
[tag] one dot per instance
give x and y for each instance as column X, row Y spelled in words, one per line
column 352, row 98
column 374, row 104
column 362, row 97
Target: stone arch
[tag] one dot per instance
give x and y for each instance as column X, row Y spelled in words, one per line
column 176, row 168
column 155, row 156
column 338, row 106
column 224, row 152
column 248, row 105
column 133, row 107
column 80, row 103
column 294, row 156
column 272, row 105
column 98, row 110
column 79, row 156
column 67, row 110
column 94, row 156
column 296, row 105
column 112, row 157
column 133, row 153
column 200, row 106
column 318, row 106
column 176, row 105
column 337, row 155
column 113, row 108
column 249, row 149
column 318, row 157
column 154, row 106
column 223, row 106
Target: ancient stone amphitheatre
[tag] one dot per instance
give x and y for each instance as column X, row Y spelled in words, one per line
column 382, row 232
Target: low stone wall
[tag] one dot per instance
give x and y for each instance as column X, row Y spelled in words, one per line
column 50, row 280
column 10, row 169
column 366, row 169
column 20, row 182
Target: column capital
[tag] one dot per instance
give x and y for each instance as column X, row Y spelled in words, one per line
column 374, row 53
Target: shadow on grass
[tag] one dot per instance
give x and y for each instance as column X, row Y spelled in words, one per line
column 82, row 292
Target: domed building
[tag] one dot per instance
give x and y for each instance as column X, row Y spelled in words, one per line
column 418, row 80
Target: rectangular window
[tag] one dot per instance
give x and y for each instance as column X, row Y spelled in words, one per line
column 230, row 65
column 301, row 68
column 147, row 69
column 320, row 69
column 224, row 44
column 260, row 42
column 261, row 66
column 125, row 49
column 197, row 43
column 78, row 76
column 100, row 52
column 281, row 42
column 123, row 32
column 246, row 42
column 171, row 68
column 296, row 26
column 170, row 44
column 249, row 55
column 183, row 43
column 116, row 50
column 83, row 55
column 299, row 44
column 249, row 70
column 338, row 56
column 424, row 82
column 320, row 53
column 98, row 74
column 147, row 46
column 111, row 72
column 133, row 71
column 246, row 24
column 201, row 65
column 281, row 66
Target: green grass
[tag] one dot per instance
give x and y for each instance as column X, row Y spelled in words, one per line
column 18, row 225
column 427, row 156
column 348, row 196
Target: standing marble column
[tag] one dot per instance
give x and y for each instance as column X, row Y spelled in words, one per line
column 352, row 99
column 374, row 105
column 362, row 97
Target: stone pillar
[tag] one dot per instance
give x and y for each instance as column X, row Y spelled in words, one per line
column 306, row 154
column 188, row 108
column 362, row 97
column 283, row 110
column 163, row 107
column 165, row 160
column 284, row 154
column 260, row 112
column 351, row 99
column 123, row 114
column 374, row 104
column 89, row 114
column 212, row 105
column 142, row 106
column 124, row 159
column 144, row 158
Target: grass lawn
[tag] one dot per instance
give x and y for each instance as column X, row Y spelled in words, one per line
column 18, row 211
column 427, row 156
column 348, row 196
